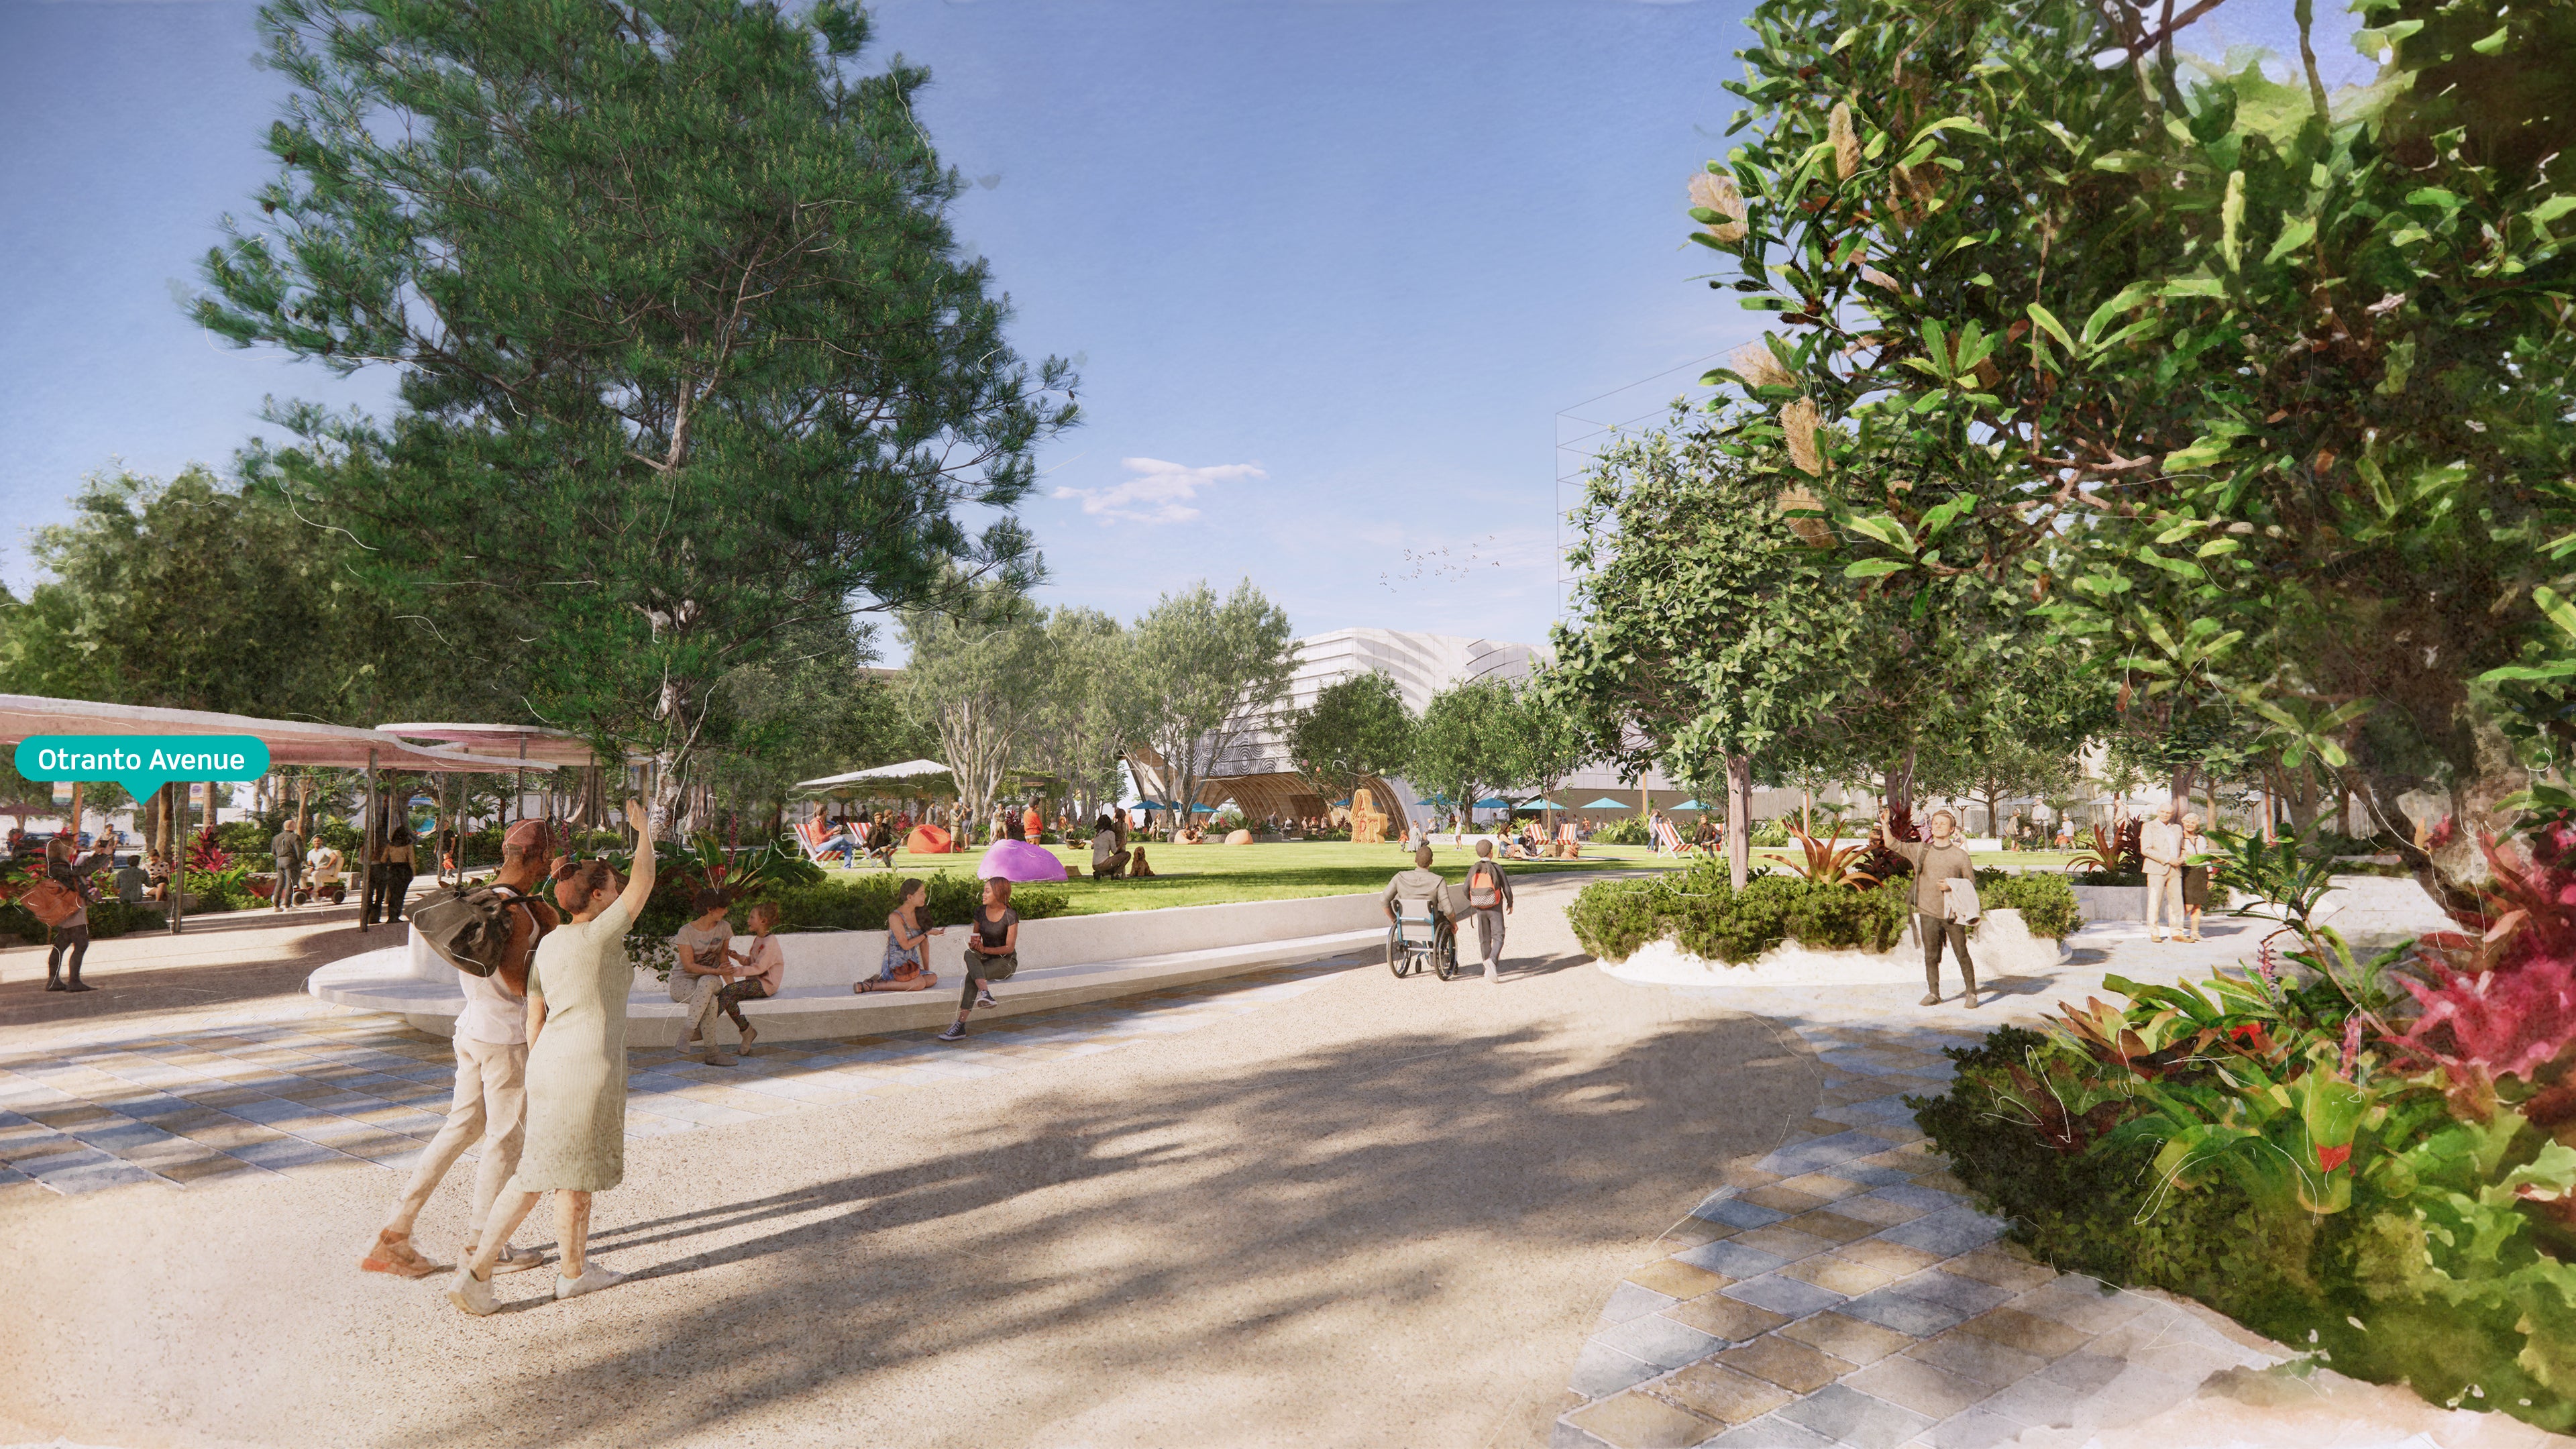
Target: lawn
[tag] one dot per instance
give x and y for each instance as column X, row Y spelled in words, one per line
column 1206, row 875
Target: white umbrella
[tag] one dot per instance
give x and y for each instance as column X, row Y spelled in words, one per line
column 908, row 770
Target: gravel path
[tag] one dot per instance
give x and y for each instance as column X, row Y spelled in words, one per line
column 1377, row 1212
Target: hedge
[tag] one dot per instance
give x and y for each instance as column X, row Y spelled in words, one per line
column 1704, row 915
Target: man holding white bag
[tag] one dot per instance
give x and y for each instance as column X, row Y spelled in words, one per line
column 1945, row 898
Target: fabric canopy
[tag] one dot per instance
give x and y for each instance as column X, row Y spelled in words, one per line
column 1687, row 805
column 1493, row 802
column 535, row 743
column 1606, row 803
column 290, row 742
column 1543, row 803
column 908, row 770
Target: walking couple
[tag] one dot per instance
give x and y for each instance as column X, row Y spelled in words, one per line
column 540, row 1074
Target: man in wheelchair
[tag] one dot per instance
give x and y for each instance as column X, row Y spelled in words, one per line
column 1420, row 929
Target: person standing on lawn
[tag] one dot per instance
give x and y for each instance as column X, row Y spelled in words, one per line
column 1489, row 898
column 491, row 1098
column 1938, row 859
column 2160, row 846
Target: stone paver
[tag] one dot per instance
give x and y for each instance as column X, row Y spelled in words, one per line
column 292, row 1086
column 1854, row 1296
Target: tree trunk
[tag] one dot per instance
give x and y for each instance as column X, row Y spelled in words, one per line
column 2301, row 795
column 1739, row 819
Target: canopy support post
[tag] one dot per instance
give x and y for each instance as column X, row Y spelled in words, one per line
column 369, row 851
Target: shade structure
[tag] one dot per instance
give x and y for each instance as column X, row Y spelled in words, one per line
column 1148, row 805
column 1687, row 805
column 1493, row 802
column 881, row 774
column 1017, row 860
column 535, row 744
column 1606, row 803
column 290, row 742
column 1543, row 803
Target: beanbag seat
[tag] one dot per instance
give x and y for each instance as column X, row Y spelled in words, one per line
column 1239, row 837
column 1017, row 860
column 928, row 840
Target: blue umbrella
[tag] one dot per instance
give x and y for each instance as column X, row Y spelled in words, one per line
column 1687, row 805
column 1149, row 805
column 1606, row 803
column 1493, row 802
column 1202, row 810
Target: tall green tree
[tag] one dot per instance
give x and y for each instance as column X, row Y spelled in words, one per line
column 1083, row 707
column 1355, row 727
column 971, row 681
column 814, row 708
column 688, row 355
column 1457, row 751
column 2262, row 388
column 1209, row 673
column 1706, row 631
column 189, row 594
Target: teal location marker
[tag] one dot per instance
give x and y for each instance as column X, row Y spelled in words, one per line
column 143, row 763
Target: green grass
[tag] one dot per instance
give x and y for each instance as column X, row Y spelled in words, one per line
column 1207, row 875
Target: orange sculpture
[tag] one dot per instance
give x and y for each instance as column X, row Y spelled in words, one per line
column 1368, row 823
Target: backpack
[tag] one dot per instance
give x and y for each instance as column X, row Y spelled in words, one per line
column 1483, row 896
column 468, row 926
column 50, row 901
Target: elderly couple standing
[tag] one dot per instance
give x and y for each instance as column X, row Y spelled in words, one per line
column 2177, row 890
column 540, row 1074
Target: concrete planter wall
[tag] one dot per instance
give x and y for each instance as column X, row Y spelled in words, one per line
column 1063, row 962
column 2001, row 946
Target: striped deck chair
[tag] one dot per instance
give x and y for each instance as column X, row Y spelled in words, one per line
column 1668, row 841
column 811, row 834
column 1572, row 848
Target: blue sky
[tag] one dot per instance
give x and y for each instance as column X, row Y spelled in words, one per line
column 1332, row 271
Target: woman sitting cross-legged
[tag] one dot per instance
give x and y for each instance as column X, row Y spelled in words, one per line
column 704, row 967
column 763, row 971
column 992, row 953
column 903, row 968
column 576, row 1133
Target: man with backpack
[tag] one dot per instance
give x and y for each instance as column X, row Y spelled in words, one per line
column 1489, row 899
column 491, row 1098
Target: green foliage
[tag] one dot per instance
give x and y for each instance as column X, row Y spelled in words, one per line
column 1206, row 673
column 2250, row 1147
column 1708, row 917
column 689, row 357
column 2262, row 393
column 1356, row 726
column 863, row 904
column 1633, row 830
column 2046, row 900
column 1455, row 760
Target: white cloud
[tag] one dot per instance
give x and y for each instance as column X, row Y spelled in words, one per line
column 1159, row 493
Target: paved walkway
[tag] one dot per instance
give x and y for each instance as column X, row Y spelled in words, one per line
column 294, row 1086
column 1841, row 1290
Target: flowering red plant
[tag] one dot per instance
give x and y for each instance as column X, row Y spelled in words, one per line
column 204, row 854
column 2502, row 1004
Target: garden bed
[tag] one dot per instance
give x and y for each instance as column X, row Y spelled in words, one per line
column 1704, row 917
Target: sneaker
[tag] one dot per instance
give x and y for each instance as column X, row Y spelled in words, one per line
column 985, row 998
column 1930, row 998
column 472, row 1294
column 592, row 1279
column 1969, row 1000
column 956, row 1032
column 53, row 983
column 719, row 1058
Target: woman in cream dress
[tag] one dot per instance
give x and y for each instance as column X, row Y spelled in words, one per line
column 576, row 1132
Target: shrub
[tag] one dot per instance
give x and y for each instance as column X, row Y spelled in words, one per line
column 248, row 838
column 2046, row 902
column 1626, row 830
column 1707, row 917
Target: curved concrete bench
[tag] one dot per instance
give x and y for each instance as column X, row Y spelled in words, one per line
column 1067, row 961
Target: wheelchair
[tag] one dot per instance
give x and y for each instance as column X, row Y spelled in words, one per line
column 1422, row 937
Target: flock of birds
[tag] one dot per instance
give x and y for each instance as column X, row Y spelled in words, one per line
column 1439, row 565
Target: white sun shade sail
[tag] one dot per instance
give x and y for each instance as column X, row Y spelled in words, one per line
column 908, row 770
column 290, row 742
column 535, row 743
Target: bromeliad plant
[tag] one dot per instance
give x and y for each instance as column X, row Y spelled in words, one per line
column 1828, row 860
